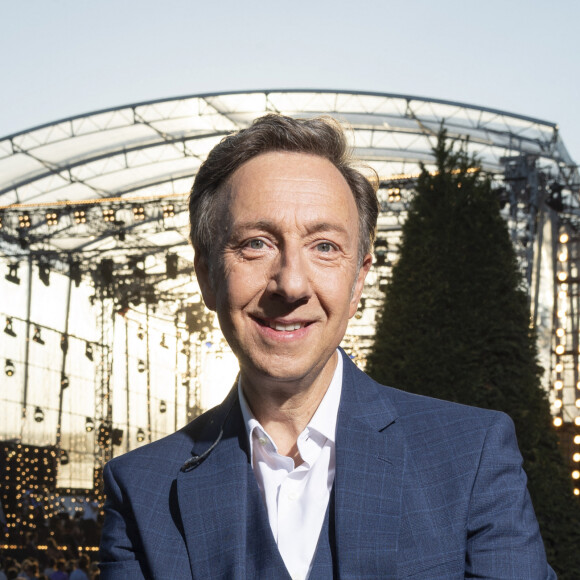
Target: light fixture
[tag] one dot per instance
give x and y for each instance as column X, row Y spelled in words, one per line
column 141, row 366
column 381, row 248
column 557, row 421
column 140, row 435
column 162, row 406
column 64, row 383
column 168, row 211
column 44, row 273
column 109, row 215
column 562, row 276
column 12, row 275
column 560, row 349
column 9, row 368
column 80, row 216
column 8, row 328
column 24, row 220
column 64, row 343
column 36, row 337
column 577, row 439
column 394, row 194
column 51, row 218
column 138, row 213
column 75, row 272
column 64, row 457
column 38, row 415
column 564, row 238
column 576, row 457
column 89, row 424
column 89, row 351
column 171, row 266
column 558, row 384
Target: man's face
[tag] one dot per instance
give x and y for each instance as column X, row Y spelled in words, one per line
column 287, row 280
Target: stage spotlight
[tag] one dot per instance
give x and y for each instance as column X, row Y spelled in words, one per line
column 12, row 275
column 140, row 435
column 171, row 268
column 8, row 328
column 168, row 211
column 117, row 437
column 24, row 220
column 138, row 213
column 162, row 406
column 36, row 337
column 38, row 415
column 44, row 273
column 51, row 218
column 381, row 248
column 89, row 351
column 89, row 425
column 64, row 457
column 80, row 216
column 9, row 369
column 109, row 215
column 141, row 366
column 75, row 272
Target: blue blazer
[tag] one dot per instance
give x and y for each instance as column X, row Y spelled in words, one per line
column 424, row 489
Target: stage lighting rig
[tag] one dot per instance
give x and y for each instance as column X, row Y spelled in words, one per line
column 24, row 222
column 8, row 329
column 36, row 337
column 12, row 275
column 44, row 273
column 51, row 218
column 38, row 415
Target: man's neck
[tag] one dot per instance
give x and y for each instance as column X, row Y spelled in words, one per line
column 285, row 409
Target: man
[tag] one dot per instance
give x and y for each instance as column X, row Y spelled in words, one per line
column 309, row 469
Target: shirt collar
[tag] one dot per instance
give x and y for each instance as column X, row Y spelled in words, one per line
column 324, row 419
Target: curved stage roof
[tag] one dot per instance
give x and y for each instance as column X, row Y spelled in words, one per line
column 152, row 150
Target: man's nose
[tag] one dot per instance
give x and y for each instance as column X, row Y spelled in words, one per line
column 290, row 276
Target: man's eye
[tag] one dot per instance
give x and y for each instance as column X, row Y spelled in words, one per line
column 255, row 244
column 324, row 247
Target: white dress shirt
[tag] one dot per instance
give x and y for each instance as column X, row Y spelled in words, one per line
column 296, row 498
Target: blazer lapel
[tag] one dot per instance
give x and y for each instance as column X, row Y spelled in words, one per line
column 370, row 463
column 212, row 496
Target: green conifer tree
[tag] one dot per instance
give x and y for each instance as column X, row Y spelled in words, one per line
column 455, row 325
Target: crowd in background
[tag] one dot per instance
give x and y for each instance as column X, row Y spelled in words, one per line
column 55, row 551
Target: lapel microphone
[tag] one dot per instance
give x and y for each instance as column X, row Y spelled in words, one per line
column 196, row 460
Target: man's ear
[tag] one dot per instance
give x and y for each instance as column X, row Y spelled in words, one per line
column 204, row 279
column 359, row 284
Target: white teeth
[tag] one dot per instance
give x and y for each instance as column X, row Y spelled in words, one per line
column 285, row 327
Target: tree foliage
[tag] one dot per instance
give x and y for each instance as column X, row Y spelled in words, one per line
column 455, row 325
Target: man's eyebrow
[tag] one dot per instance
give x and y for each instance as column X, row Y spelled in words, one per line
column 272, row 226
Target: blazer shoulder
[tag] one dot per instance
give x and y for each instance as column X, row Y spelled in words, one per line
column 419, row 410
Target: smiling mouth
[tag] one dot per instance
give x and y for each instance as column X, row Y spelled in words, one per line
column 281, row 327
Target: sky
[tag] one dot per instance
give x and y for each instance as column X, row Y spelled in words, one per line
column 66, row 57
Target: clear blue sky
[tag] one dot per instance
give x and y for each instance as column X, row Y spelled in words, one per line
column 67, row 57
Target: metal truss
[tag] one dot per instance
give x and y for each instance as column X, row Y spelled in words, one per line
column 103, row 197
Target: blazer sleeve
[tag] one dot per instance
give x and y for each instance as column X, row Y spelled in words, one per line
column 503, row 537
column 120, row 553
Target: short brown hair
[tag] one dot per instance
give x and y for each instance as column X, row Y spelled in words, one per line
column 322, row 136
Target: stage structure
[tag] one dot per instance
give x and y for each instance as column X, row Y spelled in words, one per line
column 106, row 344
